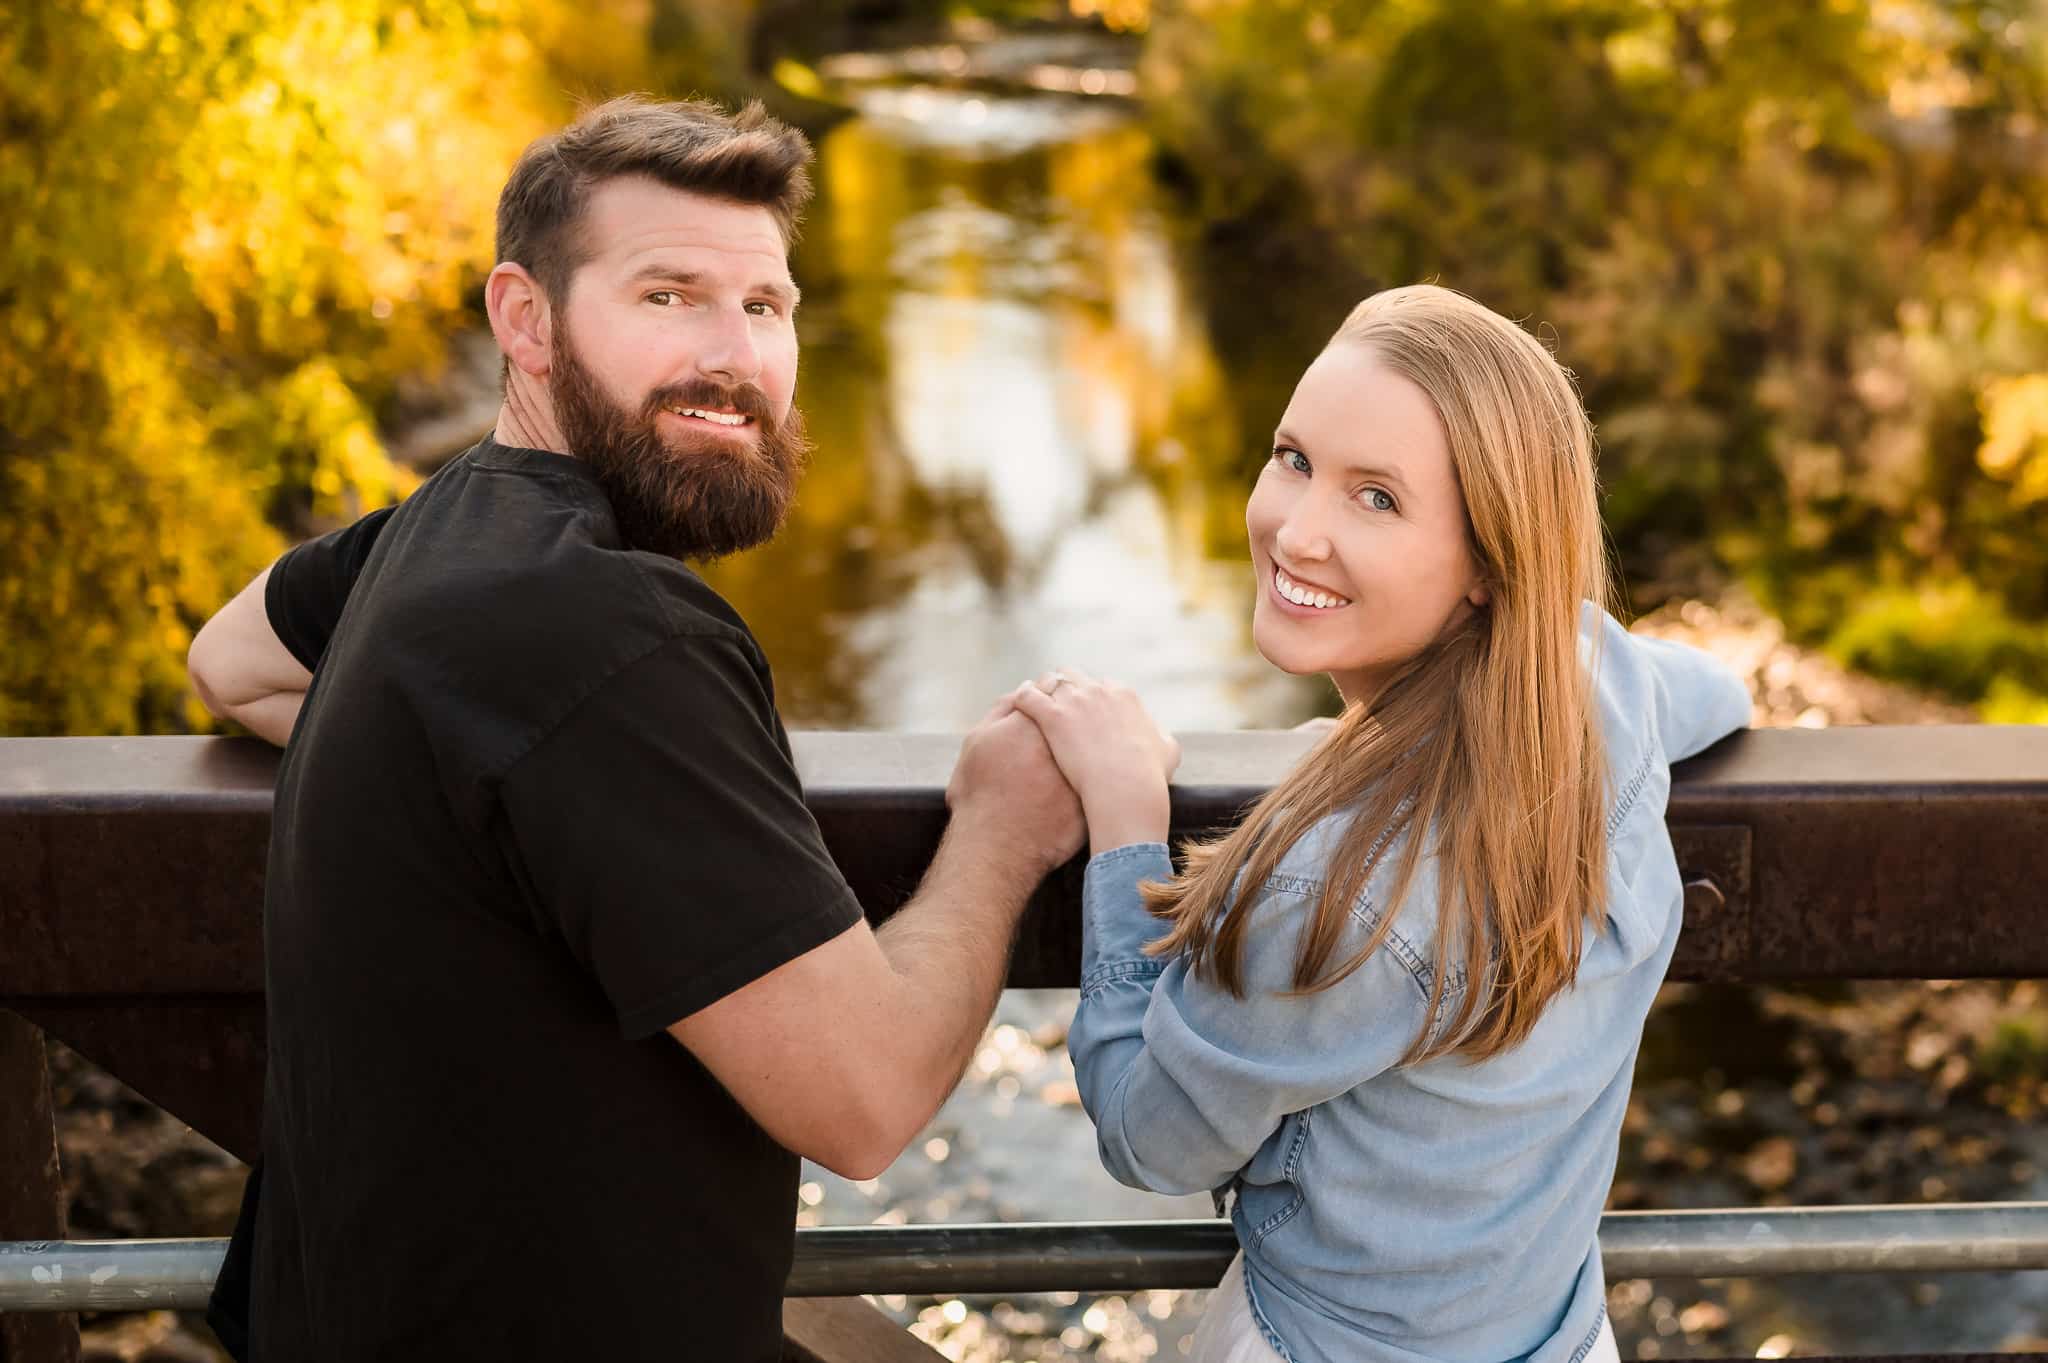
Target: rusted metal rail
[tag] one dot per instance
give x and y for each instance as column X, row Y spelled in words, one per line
column 131, row 875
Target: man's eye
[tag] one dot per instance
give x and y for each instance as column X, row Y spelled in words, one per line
column 763, row 308
column 662, row 297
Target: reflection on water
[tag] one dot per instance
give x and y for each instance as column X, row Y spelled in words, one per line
column 1025, row 455
column 973, row 125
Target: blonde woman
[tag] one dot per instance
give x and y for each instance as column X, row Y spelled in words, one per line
column 1396, row 1011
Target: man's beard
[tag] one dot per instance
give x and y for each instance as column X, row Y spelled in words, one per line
column 689, row 495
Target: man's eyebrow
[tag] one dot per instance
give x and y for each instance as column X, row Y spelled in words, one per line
column 1379, row 471
column 782, row 291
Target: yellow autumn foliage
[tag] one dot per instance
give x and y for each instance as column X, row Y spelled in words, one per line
column 2015, row 445
column 229, row 226
column 1796, row 253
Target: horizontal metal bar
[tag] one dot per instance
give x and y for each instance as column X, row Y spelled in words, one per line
column 1127, row 1256
column 1768, row 1241
column 1123, row 1256
column 108, row 1275
column 1887, row 852
column 968, row 1260
column 132, row 867
column 131, row 873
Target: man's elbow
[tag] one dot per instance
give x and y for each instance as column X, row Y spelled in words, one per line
column 858, row 1147
column 855, row 1164
column 199, row 667
column 861, row 1134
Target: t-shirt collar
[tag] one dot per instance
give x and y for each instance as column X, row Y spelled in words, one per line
column 522, row 458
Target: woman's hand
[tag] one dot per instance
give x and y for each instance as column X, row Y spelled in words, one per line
column 1109, row 749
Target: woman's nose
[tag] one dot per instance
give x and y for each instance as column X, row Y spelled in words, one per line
column 1301, row 537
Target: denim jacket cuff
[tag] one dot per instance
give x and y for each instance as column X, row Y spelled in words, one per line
column 1115, row 925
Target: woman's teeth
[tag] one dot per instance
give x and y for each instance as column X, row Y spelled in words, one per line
column 1305, row 596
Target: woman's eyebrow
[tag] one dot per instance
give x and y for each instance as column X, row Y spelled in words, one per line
column 1380, row 472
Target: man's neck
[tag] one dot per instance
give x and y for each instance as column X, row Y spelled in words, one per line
column 528, row 421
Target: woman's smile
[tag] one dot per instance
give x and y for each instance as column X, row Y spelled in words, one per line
column 1296, row 597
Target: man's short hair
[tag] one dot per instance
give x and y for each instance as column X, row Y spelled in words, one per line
column 747, row 157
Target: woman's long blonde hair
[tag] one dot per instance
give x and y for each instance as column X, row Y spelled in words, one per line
column 1483, row 746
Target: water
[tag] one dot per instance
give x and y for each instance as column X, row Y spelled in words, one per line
column 1025, row 455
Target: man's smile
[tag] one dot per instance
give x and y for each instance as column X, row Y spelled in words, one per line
column 716, row 416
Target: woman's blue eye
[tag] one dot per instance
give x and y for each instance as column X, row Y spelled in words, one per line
column 1378, row 499
column 1293, row 459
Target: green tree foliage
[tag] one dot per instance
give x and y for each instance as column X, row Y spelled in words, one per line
column 1794, row 251
column 229, row 227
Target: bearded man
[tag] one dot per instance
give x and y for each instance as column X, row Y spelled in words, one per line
column 560, row 977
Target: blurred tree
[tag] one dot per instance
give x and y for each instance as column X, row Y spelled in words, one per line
column 229, row 227
column 1795, row 253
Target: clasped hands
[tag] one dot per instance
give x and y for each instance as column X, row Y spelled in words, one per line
column 1066, row 755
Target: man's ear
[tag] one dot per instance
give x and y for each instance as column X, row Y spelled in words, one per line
column 520, row 318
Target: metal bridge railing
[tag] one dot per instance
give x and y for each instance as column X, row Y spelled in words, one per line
column 1124, row 1256
column 131, row 875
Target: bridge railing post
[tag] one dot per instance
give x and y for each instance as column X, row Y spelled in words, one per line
column 31, row 1186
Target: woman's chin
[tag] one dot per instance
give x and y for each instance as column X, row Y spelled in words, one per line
column 1295, row 661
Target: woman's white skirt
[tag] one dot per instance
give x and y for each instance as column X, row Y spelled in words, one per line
column 1229, row 1334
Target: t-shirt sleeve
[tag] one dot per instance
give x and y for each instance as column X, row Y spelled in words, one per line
column 662, row 833
column 310, row 584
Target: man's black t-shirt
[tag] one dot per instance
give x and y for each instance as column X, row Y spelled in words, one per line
column 538, row 806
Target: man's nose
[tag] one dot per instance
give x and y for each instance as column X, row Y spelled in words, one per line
column 728, row 352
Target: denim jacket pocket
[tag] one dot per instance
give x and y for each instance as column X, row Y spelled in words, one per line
column 1276, row 1196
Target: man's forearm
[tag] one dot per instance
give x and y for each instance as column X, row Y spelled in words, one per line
column 950, row 946
column 270, row 717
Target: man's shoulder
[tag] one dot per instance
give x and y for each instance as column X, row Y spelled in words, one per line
column 611, row 606
column 689, row 605
column 522, row 596
column 578, row 613
column 493, row 542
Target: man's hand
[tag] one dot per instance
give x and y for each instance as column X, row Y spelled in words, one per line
column 1111, row 750
column 1006, row 787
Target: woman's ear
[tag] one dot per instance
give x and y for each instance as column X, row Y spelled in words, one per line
column 1480, row 596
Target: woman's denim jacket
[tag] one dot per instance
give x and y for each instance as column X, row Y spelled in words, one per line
column 1441, row 1211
